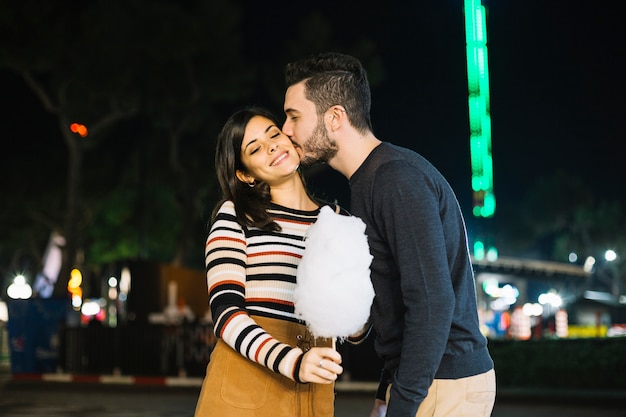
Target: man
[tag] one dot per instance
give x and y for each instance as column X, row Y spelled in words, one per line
column 425, row 312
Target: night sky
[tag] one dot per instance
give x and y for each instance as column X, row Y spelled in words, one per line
column 556, row 80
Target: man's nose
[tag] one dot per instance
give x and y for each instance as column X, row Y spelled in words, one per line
column 287, row 129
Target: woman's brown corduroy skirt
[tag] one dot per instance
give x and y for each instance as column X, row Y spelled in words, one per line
column 234, row 386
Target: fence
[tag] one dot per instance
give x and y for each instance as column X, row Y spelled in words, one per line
column 137, row 349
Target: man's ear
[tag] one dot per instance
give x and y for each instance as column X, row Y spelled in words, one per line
column 243, row 177
column 336, row 116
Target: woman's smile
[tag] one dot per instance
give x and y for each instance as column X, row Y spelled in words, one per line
column 280, row 158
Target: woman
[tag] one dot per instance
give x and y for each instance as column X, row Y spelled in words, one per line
column 265, row 362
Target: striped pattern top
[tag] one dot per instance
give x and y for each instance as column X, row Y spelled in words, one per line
column 254, row 272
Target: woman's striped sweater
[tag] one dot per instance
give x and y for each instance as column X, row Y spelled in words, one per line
column 253, row 272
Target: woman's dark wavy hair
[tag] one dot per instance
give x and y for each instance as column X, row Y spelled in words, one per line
column 251, row 203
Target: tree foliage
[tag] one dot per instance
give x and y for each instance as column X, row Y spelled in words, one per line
column 153, row 81
column 164, row 68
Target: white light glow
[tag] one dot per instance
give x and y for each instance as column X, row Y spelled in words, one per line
column 4, row 312
column 589, row 263
column 125, row 280
column 90, row 308
column 534, row 309
column 76, row 301
column 19, row 289
column 610, row 255
column 551, row 298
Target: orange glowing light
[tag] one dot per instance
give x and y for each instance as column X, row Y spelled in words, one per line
column 79, row 129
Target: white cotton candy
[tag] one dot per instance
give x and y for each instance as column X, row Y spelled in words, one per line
column 334, row 292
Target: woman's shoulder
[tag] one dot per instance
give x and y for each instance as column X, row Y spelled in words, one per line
column 224, row 209
column 225, row 218
column 225, row 206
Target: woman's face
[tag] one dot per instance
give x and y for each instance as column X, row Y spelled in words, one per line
column 267, row 153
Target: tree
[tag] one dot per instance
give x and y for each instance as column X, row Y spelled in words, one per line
column 51, row 61
column 153, row 81
column 207, row 73
column 100, row 63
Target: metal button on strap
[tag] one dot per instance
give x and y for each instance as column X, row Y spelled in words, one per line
column 304, row 343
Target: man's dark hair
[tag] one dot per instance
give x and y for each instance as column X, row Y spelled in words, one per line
column 334, row 79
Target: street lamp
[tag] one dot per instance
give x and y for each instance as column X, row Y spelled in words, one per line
column 19, row 289
column 610, row 255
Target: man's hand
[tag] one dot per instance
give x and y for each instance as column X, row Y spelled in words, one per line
column 379, row 409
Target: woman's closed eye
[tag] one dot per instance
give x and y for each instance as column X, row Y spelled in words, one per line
column 275, row 132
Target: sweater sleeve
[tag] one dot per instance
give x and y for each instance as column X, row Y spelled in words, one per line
column 359, row 337
column 225, row 259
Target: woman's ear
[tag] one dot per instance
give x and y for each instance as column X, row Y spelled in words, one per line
column 243, row 177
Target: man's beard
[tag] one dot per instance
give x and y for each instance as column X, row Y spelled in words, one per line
column 319, row 148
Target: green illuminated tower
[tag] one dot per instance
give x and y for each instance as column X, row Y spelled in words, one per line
column 484, row 205
column 479, row 116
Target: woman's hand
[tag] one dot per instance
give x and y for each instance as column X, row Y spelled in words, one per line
column 320, row 365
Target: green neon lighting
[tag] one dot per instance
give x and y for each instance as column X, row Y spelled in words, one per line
column 481, row 161
column 479, row 250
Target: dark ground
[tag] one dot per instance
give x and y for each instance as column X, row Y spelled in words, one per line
column 20, row 398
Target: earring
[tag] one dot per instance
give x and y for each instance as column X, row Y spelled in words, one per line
column 251, row 184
